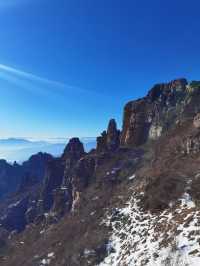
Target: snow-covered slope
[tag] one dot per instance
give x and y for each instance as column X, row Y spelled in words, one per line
column 139, row 238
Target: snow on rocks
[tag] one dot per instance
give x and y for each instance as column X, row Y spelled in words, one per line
column 186, row 200
column 138, row 238
column 47, row 260
column 50, row 255
column 42, row 231
column 14, row 204
column 132, row 177
column 88, row 253
column 64, row 188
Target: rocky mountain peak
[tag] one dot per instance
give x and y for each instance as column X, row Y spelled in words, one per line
column 164, row 105
column 165, row 91
column 74, row 149
column 112, row 135
column 110, row 139
column 112, row 126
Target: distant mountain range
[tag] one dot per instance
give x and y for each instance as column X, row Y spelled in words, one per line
column 20, row 149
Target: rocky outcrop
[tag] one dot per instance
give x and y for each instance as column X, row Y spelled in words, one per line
column 196, row 121
column 58, row 188
column 82, row 176
column 74, row 150
column 20, row 208
column 191, row 144
column 83, row 173
column 63, row 179
column 136, row 125
column 113, row 136
column 36, row 165
column 28, row 181
column 75, row 180
column 14, row 217
column 53, row 180
column 110, row 139
column 102, row 142
column 10, row 177
column 78, row 174
column 149, row 117
column 14, row 177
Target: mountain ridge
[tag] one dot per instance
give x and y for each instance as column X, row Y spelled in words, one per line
column 113, row 205
column 20, row 149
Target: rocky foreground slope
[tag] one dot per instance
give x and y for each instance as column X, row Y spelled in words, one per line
column 134, row 200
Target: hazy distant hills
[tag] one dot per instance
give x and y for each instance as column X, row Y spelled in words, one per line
column 20, row 149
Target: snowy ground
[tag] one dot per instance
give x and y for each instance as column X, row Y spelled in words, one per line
column 171, row 238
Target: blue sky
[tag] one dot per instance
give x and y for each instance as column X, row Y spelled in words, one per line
column 68, row 66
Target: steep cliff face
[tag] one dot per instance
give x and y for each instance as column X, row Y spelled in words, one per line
column 53, row 180
column 10, row 177
column 66, row 177
column 162, row 108
column 36, row 165
column 19, row 208
column 63, row 179
column 16, row 176
column 57, row 188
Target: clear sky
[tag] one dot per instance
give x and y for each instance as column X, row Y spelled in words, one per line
column 68, row 66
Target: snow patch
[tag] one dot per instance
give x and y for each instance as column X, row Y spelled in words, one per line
column 14, row 204
column 186, row 200
column 171, row 237
column 132, row 177
column 47, row 261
